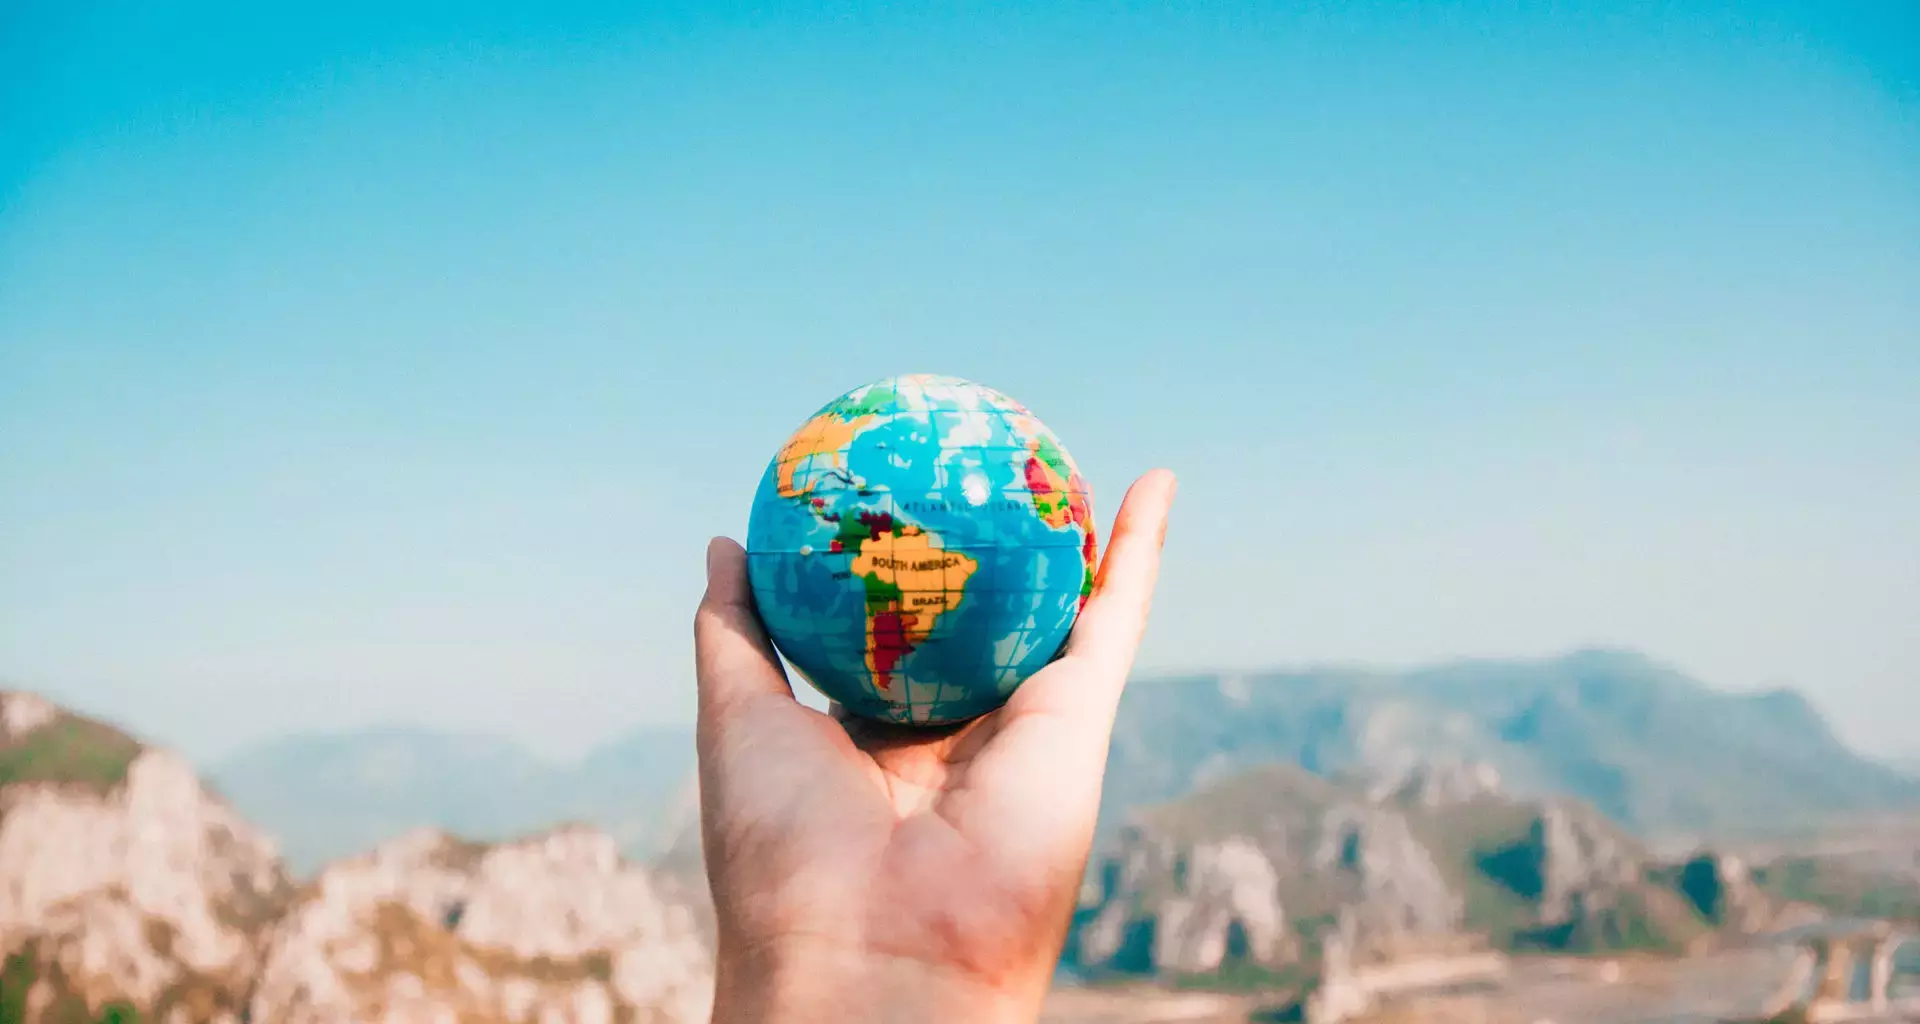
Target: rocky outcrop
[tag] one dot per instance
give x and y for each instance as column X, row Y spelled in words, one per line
column 1276, row 867
column 1401, row 891
column 128, row 891
column 147, row 891
column 1235, row 875
column 1336, row 994
column 1591, row 889
column 1721, row 889
column 1436, row 783
column 1580, row 861
column 553, row 928
column 1568, row 863
column 1229, row 907
column 1216, row 902
column 22, row 713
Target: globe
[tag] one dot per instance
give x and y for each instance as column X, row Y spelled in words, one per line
column 919, row 548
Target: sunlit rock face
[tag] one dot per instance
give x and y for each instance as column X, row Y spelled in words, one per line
column 122, row 880
column 128, row 889
column 551, row 928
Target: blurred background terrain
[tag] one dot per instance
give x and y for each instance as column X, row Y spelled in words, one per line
column 1595, row 836
column 1537, row 635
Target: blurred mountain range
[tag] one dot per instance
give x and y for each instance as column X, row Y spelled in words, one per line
column 1339, row 897
column 1324, row 835
column 1649, row 747
column 1282, row 877
column 325, row 796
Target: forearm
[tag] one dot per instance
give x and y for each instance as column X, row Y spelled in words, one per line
column 826, row 985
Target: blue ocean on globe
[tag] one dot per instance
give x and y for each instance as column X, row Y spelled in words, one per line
column 920, row 547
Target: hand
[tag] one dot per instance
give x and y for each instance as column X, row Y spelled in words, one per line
column 864, row 872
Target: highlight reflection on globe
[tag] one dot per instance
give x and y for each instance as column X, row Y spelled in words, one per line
column 919, row 547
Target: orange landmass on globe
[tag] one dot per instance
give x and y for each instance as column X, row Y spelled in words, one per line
column 825, row 436
column 911, row 581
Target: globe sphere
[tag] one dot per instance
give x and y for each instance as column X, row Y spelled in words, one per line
column 920, row 547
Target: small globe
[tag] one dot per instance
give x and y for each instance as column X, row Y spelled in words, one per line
column 919, row 547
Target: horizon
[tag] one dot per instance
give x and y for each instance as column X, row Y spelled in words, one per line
column 400, row 727
column 384, row 364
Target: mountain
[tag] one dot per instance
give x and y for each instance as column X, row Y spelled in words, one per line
column 1279, row 879
column 1642, row 743
column 1291, row 858
column 129, row 891
column 122, row 883
column 1645, row 745
column 430, row 927
column 326, row 796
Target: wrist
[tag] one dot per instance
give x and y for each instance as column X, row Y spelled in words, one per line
column 807, row 983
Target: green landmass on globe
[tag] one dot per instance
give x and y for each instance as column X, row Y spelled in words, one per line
column 920, row 547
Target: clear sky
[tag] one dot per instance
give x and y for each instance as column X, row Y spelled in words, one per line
column 372, row 361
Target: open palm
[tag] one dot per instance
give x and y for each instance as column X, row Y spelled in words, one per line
column 870, row 872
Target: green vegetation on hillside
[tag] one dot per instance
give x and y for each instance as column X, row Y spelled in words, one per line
column 1642, row 919
column 69, row 750
column 1462, row 840
column 1486, row 850
column 1489, row 848
column 17, row 977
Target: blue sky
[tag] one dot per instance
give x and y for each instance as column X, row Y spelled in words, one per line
column 395, row 361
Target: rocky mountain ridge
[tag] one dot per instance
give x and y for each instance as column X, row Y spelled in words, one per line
column 327, row 796
column 1652, row 749
column 553, row 926
column 1644, row 744
column 128, row 891
column 1276, row 873
column 1325, row 832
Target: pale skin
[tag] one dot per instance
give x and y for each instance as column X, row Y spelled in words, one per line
column 863, row 872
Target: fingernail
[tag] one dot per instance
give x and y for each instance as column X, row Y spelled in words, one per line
column 713, row 549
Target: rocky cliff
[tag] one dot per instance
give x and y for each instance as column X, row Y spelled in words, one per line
column 122, row 882
column 427, row 927
column 130, row 892
column 1278, row 871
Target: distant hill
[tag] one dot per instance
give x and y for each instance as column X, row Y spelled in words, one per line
column 1410, row 868
column 328, row 795
column 1646, row 745
column 1343, row 890
column 1280, row 880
